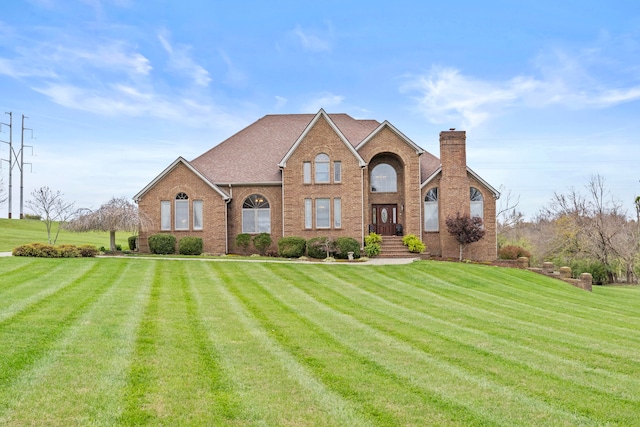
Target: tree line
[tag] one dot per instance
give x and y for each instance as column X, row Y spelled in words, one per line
column 588, row 230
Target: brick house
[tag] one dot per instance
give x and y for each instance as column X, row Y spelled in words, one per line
column 329, row 175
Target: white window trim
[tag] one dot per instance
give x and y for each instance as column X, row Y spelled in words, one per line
column 328, row 207
column 337, row 213
column 165, row 215
column 178, row 218
column 198, row 211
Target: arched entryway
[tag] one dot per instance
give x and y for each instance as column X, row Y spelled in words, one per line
column 386, row 194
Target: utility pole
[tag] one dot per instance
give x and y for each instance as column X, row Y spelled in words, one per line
column 22, row 164
column 16, row 159
column 10, row 143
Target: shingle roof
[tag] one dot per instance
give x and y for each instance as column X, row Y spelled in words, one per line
column 253, row 154
column 261, row 146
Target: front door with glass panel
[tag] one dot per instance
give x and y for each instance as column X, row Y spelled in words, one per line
column 384, row 219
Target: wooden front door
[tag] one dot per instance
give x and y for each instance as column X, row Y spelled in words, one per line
column 384, row 219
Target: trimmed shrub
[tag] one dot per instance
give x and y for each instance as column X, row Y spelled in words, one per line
column 68, row 251
column 372, row 249
column 317, row 247
column 87, row 251
column 243, row 240
column 132, row 242
column 261, row 242
column 372, row 238
column 162, row 244
column 42, row 250
column 513, row 252
column 372, row 244
column 190, row 246
column 344, row 245
column 414, row 244
column 291, row 247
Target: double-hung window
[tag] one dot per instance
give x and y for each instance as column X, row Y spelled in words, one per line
column 182, row 212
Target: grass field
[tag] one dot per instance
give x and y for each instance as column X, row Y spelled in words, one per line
column 18, row 232
column 191, row 342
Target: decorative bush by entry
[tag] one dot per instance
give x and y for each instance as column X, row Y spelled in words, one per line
column 414, row 244
column 344, row 245
column 261, row 242
column 132, row 242
column 42, row 250
column 317, row 247
column 291, row 247
column 372, row 244
column 162, row 243
column 190, row 246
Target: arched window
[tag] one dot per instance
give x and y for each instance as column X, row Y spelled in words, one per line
column 477, row 203
column 256, row 215
column 431, row 222
column 384, row 179
column 322, row 168
column 182, row 211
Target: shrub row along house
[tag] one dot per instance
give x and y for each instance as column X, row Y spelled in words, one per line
column 327, row 175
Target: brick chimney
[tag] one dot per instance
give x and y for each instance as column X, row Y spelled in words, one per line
column 453, row 195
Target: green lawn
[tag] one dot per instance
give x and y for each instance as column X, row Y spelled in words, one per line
column 15, row 232
column 224, row 343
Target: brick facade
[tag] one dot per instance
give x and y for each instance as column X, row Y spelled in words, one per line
column 182, row 180
column 288, row 197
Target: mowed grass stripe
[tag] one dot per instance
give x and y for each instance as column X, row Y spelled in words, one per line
column 16, row 271
column 174, row 377
column 326, row 407
column 484, row 356
column 372, row 306
column 589, row 311
column 581, row 348
column 39, row 282
column 35, row 331
column 342, row 366
column 88, row 364
column 552, row 328
column 451, row 381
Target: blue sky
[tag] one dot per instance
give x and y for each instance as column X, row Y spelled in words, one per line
column 115, row 90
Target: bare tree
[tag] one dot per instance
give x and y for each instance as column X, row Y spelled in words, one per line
column 465, row 230
column 118, row 214
column 590, row 225
column 51, row 207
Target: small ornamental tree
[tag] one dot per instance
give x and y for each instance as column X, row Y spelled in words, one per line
column 115, row 215
column 465, row 230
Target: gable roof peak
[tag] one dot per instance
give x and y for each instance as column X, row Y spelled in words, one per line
column 322, row 114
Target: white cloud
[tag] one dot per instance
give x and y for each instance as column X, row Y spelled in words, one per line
column 325, row 100
column 180, row 60
column 311, row 41
column 445, row 95
column 280, row 102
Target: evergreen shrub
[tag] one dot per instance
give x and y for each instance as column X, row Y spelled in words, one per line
column 190, row 246
column 344, row 245
column 132, row 242
column 261, row 242
column 162, row 243
column 291, row 247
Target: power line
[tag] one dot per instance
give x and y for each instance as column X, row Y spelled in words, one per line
column 16, row 159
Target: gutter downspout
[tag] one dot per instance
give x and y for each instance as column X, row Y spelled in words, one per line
column 282, row 197
column 362, row 204
column 226, row 221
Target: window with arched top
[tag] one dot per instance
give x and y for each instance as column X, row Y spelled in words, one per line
column 182, row 211
column 384, row 179
column 477, row 203
column 431, row 220
column 256, row 214
column 321, row 164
